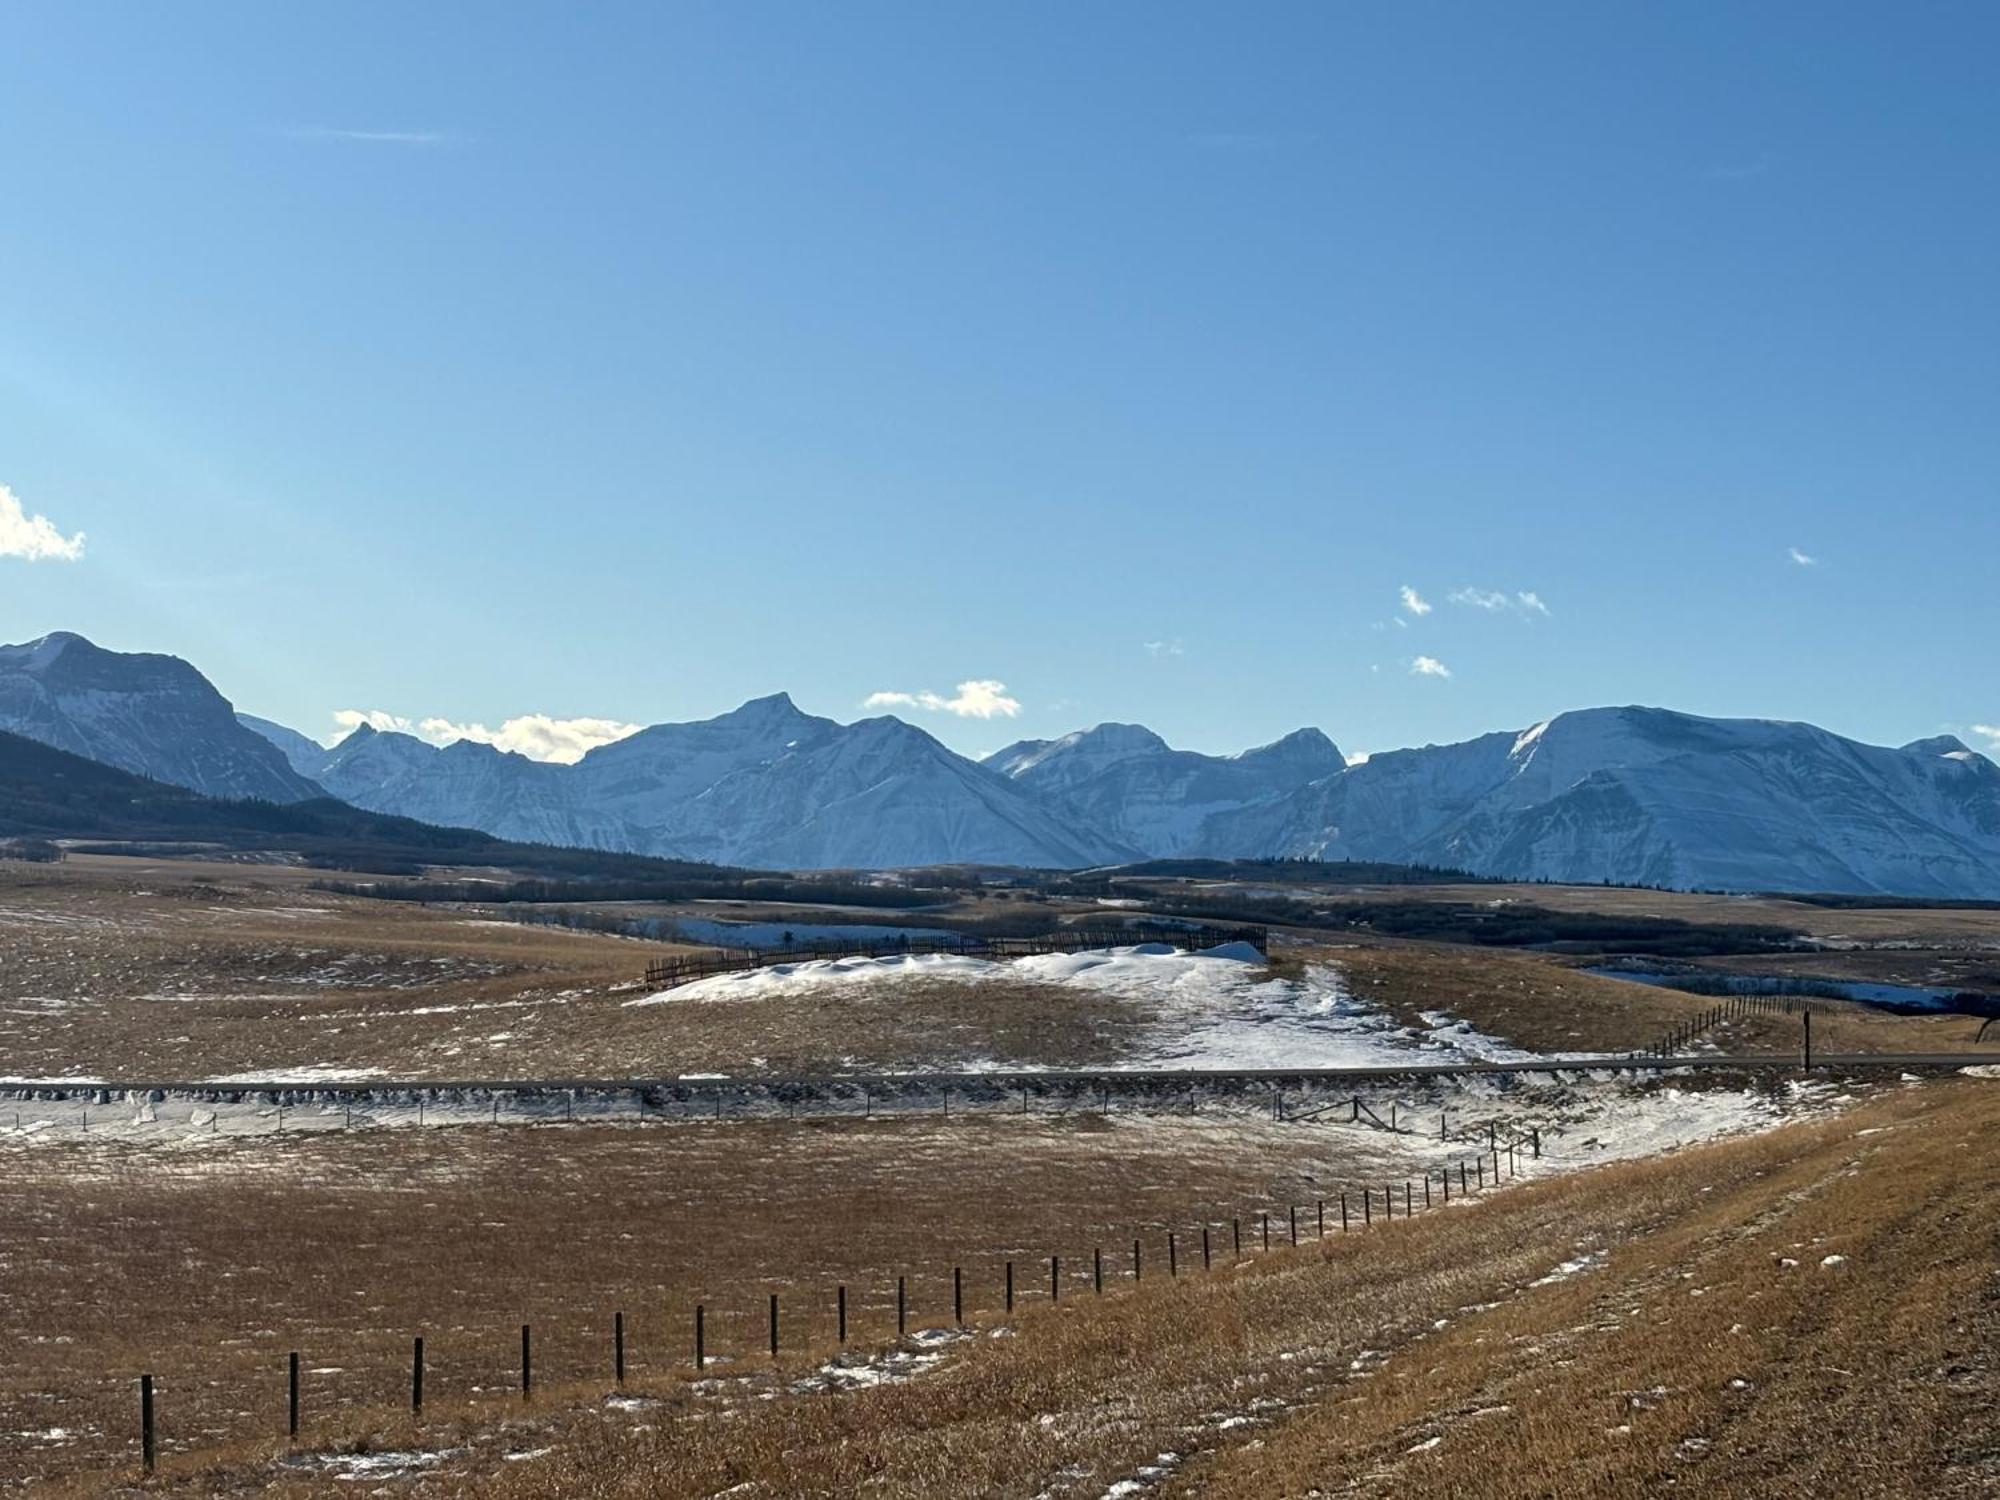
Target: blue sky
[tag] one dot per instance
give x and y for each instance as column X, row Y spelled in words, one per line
column 476, row 362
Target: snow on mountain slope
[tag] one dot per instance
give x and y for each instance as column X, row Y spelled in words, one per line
column 635, row 793
column 881, row 793
column 306, row 756
column 1128, row 781
column 152, row 715
column 1650, row 796
column 462, row 785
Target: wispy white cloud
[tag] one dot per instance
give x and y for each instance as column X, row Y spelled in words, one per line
column 1991, row 734
column 1429, row 666
column 537, row 736
column 373, row 137
column 1527, row 601
column 1413, row 601
column 979, row 698
column 33, row 538
column 1164, row 648
column 1803, row 559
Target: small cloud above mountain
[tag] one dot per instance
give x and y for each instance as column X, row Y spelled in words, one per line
column 33, row 538
column 978, row 698
column 1495, row 601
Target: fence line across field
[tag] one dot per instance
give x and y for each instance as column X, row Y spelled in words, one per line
column 1352, row 1211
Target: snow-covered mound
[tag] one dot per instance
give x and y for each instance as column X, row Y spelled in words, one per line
column 1218, row 1010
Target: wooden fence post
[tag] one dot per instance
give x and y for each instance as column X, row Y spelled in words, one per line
column 903, row 1302
column 292, row 1397
column 1173, row 1256
column 1055, row 1278
column 1319, row 1207
column 1206, row 1262
column 958, row 1296
column 774, row 1325
column 1010, row 1286
column 1138, row 1265
column 1343, row 1213
column 147, row 1448
column 1097, row 1269
column 618, row 1347
column 527, row 1365
column 700, row 1342
column 417, row 1378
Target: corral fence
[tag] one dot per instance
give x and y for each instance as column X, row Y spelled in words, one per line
column 1186, row 1249
column 681, row 969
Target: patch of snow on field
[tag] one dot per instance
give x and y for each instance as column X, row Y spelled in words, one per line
column 1220, row 1008
column 855, row 1372
column 358, row 1467
column 1576, row 1266
column 315, row 1073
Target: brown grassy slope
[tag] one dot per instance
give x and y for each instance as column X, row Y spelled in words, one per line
column 1865, row 1377
column 1831, row 1328
column 1542, row 1004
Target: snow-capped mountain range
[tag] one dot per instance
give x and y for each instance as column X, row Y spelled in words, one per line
column 1639, row 795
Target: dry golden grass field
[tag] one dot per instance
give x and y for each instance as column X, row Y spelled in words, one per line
column 1811, row 1311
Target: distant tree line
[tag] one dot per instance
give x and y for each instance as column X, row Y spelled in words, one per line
column 32, row 851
